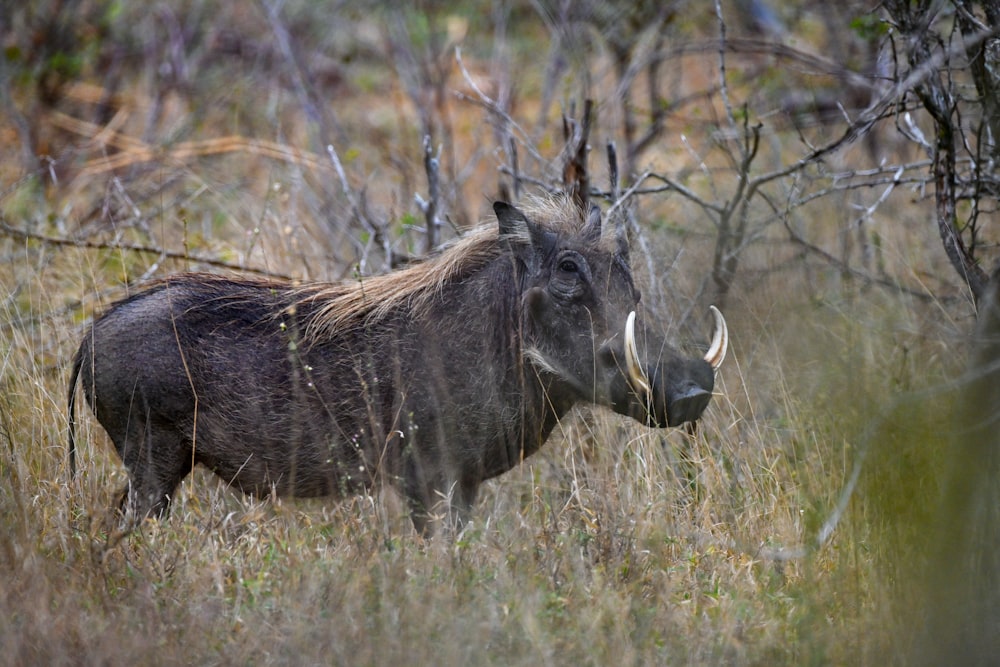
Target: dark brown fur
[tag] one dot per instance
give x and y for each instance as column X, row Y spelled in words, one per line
column 433, row 378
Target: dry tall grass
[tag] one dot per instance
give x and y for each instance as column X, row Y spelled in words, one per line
column 614, row 545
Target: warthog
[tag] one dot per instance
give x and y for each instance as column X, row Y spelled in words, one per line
column 434, row 378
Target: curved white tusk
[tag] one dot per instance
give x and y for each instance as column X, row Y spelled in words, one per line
column 635, row 371
column 720, row 340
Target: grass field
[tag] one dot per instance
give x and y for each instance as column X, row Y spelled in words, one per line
column 615, row 544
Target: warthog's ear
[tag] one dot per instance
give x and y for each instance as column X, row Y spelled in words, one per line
column 526, row 240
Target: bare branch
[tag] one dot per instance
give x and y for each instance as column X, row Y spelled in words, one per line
column 430, row 206
column 359, row 213
column 576, row 178
column 118, row 245
column 494, row 109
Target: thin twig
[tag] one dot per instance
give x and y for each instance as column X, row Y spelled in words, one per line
column 489, row 104
column 162, row 252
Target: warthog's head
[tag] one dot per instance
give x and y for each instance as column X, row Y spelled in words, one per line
column 578, row 322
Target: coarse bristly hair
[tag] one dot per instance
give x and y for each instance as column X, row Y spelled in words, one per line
column 365, row 302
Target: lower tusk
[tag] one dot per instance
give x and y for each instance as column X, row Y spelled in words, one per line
column 720, row 340
column 635, row 372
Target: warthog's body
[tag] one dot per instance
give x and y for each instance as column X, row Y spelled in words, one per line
column 434, row 378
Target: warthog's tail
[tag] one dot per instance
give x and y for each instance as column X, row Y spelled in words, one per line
column 71, row 404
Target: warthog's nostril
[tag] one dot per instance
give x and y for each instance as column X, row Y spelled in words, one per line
column 688, row 406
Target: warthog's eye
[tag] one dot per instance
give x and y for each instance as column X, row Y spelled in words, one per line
column 571, row 277
column 568, row 266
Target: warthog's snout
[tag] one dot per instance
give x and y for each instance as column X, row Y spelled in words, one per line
column 679, row 393
column 671, row 391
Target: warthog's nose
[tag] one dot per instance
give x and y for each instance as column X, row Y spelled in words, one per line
column 687, row 404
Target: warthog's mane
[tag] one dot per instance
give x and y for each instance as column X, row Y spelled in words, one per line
column 333, row 306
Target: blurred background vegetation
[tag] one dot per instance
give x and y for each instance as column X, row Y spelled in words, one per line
column 825, row 172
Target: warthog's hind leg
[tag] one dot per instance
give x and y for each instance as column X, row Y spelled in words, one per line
column 157, row 459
